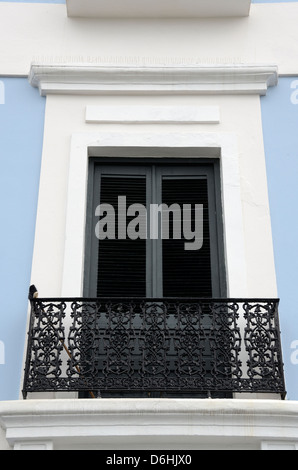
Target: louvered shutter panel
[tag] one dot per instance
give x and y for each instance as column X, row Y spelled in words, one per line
column 122, row 263
column 186, row 273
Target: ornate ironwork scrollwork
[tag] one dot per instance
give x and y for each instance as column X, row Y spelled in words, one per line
column 262, row 342
column 154, row 345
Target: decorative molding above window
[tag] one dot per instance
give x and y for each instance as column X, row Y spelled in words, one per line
column 153, row 114
column 87, row 79
column 157, row 8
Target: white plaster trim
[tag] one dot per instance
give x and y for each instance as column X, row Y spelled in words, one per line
column 72, row 281
column 153, row 114
column 157, row 8
column 151, row 422
column 89, row 79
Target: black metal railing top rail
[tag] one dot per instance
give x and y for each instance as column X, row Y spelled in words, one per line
column 178, row 347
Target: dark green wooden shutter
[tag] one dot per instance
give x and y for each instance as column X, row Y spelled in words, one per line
column 186, row 273
column 122, row 263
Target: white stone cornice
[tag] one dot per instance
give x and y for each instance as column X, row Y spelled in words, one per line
column 92, row 80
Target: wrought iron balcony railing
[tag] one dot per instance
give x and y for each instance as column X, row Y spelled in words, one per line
column 137, row 347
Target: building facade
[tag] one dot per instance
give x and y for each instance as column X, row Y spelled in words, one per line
column 192, row 104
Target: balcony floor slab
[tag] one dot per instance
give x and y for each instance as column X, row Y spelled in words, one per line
column 150, row 424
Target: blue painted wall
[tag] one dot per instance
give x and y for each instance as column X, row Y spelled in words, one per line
column 280, row 128
column 21, row 135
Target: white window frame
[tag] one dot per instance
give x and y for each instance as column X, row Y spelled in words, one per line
column 109, row 142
